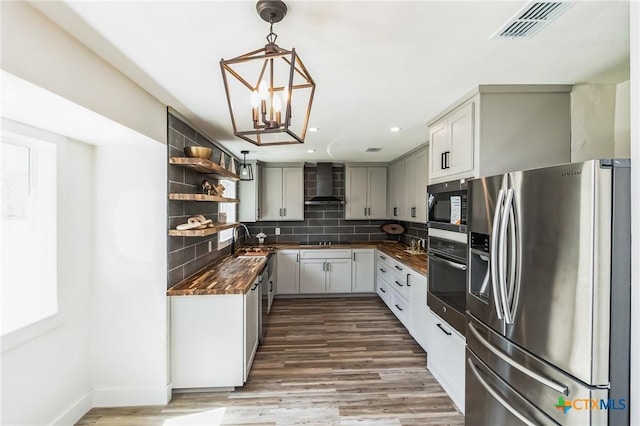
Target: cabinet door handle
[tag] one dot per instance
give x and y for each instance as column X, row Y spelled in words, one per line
column 328, row 267
column 413, row 212
column 399, row 308
column 447, row 156
column 280, row 212
column 448, row 333
column 401, row 285
column 365, row 211
column 270, row 286
column 383, row 290
column 284, row 211
column 384, row 271
column 395, row 211
column 408, row 285
column 254, row 287
column 382, row 257
column 354, row 256
column 443, row 164
column 258, row 212
column 397, row 267
column 297, row 257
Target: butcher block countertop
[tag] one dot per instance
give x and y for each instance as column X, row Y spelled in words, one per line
column 231, row 275
column 235, row 275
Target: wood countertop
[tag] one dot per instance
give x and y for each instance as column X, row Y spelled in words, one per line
column 236, row 274
column 231, row 275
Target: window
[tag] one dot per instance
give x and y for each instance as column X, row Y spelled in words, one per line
column 29, row 237
column 224, row 237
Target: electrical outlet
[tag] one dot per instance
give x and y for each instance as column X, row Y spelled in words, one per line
column 277, row 231
column 210, row 246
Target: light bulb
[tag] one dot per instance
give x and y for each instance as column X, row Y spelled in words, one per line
column 277, row 105
column 264, row 90
column 244, row 171
column 255, row 99
column 285, row 94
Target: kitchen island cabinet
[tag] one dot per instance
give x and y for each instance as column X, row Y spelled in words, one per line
column 213, row 339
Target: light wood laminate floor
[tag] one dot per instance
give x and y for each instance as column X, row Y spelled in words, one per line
column 329, row 361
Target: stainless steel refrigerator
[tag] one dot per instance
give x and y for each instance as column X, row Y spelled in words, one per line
column 548, row 297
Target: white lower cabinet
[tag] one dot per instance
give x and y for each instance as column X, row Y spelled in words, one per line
column 213, row 339
column 419, row 309
column 446, row 359
column 401, row 308
column 325, row 271
column 288, row 271
column 363, row 271
column 382, row 288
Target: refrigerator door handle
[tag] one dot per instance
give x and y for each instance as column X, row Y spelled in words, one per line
column 502, row 261
column 493, row 264
column 513, row 292
column 535, row 376
column 497, row 397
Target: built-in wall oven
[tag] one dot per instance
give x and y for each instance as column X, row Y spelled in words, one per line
column 448, row 251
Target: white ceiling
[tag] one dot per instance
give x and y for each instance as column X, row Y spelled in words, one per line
column 376, row 64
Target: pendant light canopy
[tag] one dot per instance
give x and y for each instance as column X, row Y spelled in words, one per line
column 246, row 171
column 269, row 90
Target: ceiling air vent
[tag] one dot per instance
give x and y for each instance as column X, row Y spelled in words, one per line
column 532, row 18
column 373, row 150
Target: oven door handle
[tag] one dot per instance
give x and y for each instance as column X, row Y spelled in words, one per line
column 455, row 265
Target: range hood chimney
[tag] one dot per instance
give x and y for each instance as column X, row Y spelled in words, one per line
column 324, row 194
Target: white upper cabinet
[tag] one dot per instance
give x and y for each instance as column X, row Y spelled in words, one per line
column 501, row 128
column 366, row 192
column 452, row 141
column 408, row 179
column 282, row 193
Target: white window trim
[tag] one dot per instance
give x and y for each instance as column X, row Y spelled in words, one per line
column 29, row 136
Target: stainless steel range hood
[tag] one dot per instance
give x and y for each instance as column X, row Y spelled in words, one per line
column 324, row 191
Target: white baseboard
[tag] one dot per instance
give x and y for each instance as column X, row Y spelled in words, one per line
column 75, row 412
column 131, row 397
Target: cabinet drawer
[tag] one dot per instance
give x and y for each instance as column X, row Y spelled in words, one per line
column 400, row 308
column 446, row 358
column 399, row 283
column 325, row 254
column 383, row 291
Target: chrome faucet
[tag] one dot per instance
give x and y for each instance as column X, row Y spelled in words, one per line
column 246, row 229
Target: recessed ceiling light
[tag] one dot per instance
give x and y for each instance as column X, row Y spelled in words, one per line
column 313, row 129
column 395, row 129
column 311, row 151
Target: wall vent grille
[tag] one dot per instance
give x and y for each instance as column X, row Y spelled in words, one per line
column 531, row 19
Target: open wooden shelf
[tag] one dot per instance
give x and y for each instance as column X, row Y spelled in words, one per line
column 201, row 165
column 201, row 197
column 202, row 232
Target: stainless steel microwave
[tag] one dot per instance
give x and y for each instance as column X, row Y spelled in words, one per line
column 447, row 205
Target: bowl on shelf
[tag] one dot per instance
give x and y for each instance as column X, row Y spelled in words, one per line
column 198, row 152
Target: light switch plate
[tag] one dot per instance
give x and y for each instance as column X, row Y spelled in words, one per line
column 277, row 231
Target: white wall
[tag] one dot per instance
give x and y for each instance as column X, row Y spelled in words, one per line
column 129, row 348
column 622, row 121
column 37, row 50
column 47, row 379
